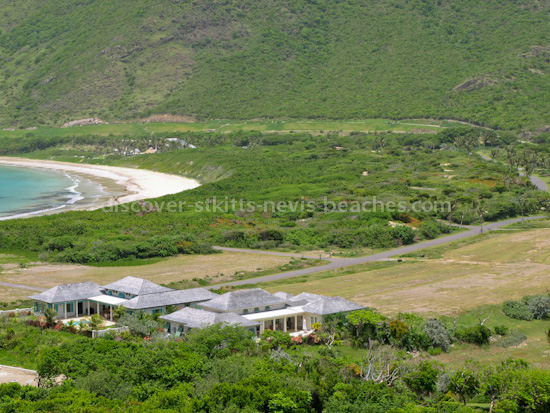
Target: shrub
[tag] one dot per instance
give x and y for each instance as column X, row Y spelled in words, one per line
column 275, row 339
column 439, row 337
column 517, row 310
column 432, row 229
column 539, row 306
column 404, row 234
column 141, row 326
column 479, row 335
column 515, row 338
column 435, row 351
column 501, row 330
column 398, row 329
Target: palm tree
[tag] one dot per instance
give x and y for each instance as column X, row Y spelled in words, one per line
column 169, row 309
column 479, row 207
column 95, row 321
column 454, row 204
column 119, row 312
column 71, row 324
column 50, row 315
column 511, row 156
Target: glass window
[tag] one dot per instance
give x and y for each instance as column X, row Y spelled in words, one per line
column 257, row 309
column 245, row 311
column 267, row 308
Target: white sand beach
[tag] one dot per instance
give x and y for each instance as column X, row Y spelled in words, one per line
column 138, row 183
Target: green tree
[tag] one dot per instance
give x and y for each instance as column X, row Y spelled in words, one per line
column 361, row 318
column 50, row 315
column 423, row 379
column 464, row 384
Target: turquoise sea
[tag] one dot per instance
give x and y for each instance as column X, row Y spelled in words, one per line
column 26, row 192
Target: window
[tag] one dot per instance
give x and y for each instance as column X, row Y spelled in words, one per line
column 245, row 311
column 257, row 309
column 267, row 308
column 121, row 295
column 313, row 320
column 69, row 307
column 109, row 292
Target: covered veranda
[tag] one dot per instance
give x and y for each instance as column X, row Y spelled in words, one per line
column 104, row 305
column 290, row 320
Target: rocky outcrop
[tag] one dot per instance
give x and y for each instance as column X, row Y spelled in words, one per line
column 82, row 122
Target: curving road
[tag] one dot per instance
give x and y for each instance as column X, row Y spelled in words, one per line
column 539, row 183
column 22, row 286
column 335, row 263
column 332, row 263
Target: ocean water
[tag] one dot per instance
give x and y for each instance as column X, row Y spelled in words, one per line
column 26, row 192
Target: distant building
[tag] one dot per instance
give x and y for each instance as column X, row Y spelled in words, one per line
column 255, row 309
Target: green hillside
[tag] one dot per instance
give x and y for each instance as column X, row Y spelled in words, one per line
column 485, row 62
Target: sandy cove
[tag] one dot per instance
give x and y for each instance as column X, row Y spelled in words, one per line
column 139, row 183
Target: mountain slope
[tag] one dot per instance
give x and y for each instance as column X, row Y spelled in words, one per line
column 486, row 62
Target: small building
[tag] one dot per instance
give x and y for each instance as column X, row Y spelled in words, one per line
column 158, row 302
column 183, row 320
column 130, row 287
column 134, row 294
column 68, row 300
column 243, row 302
column 301, row 312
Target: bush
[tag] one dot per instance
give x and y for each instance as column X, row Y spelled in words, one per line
column 479, row 335
column 404, row 234
column 501, row 330
column 275, row 339
column 517, row 310
column 432, row 229
column 142, row 326
column 539, row 306
column 439, row 337
column 514, row 339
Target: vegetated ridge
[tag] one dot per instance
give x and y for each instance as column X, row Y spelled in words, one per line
column 483, row 62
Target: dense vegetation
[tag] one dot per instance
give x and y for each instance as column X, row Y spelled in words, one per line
column 241, row 59
column 411, row 181
column 356, row 362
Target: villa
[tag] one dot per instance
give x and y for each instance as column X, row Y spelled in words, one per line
column 134, row 294
column 255, row 309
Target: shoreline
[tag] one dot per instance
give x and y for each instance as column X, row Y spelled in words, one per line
column 123, row 184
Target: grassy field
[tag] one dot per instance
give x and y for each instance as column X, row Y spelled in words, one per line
column 535, row 349
column 181, row 268
column 226, row 126
column 488, row 269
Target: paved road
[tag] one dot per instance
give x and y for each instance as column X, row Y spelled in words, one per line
column 282, row 254
column 22, row 286
column 539, row 183
column 335, row 263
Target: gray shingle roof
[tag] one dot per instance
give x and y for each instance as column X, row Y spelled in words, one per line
column 68, row 292
column 192, row 295
column 309, row 297
column 330, row 305
column 236, row 300
column 194, row 318
column 136, row 286
column 284, row 296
